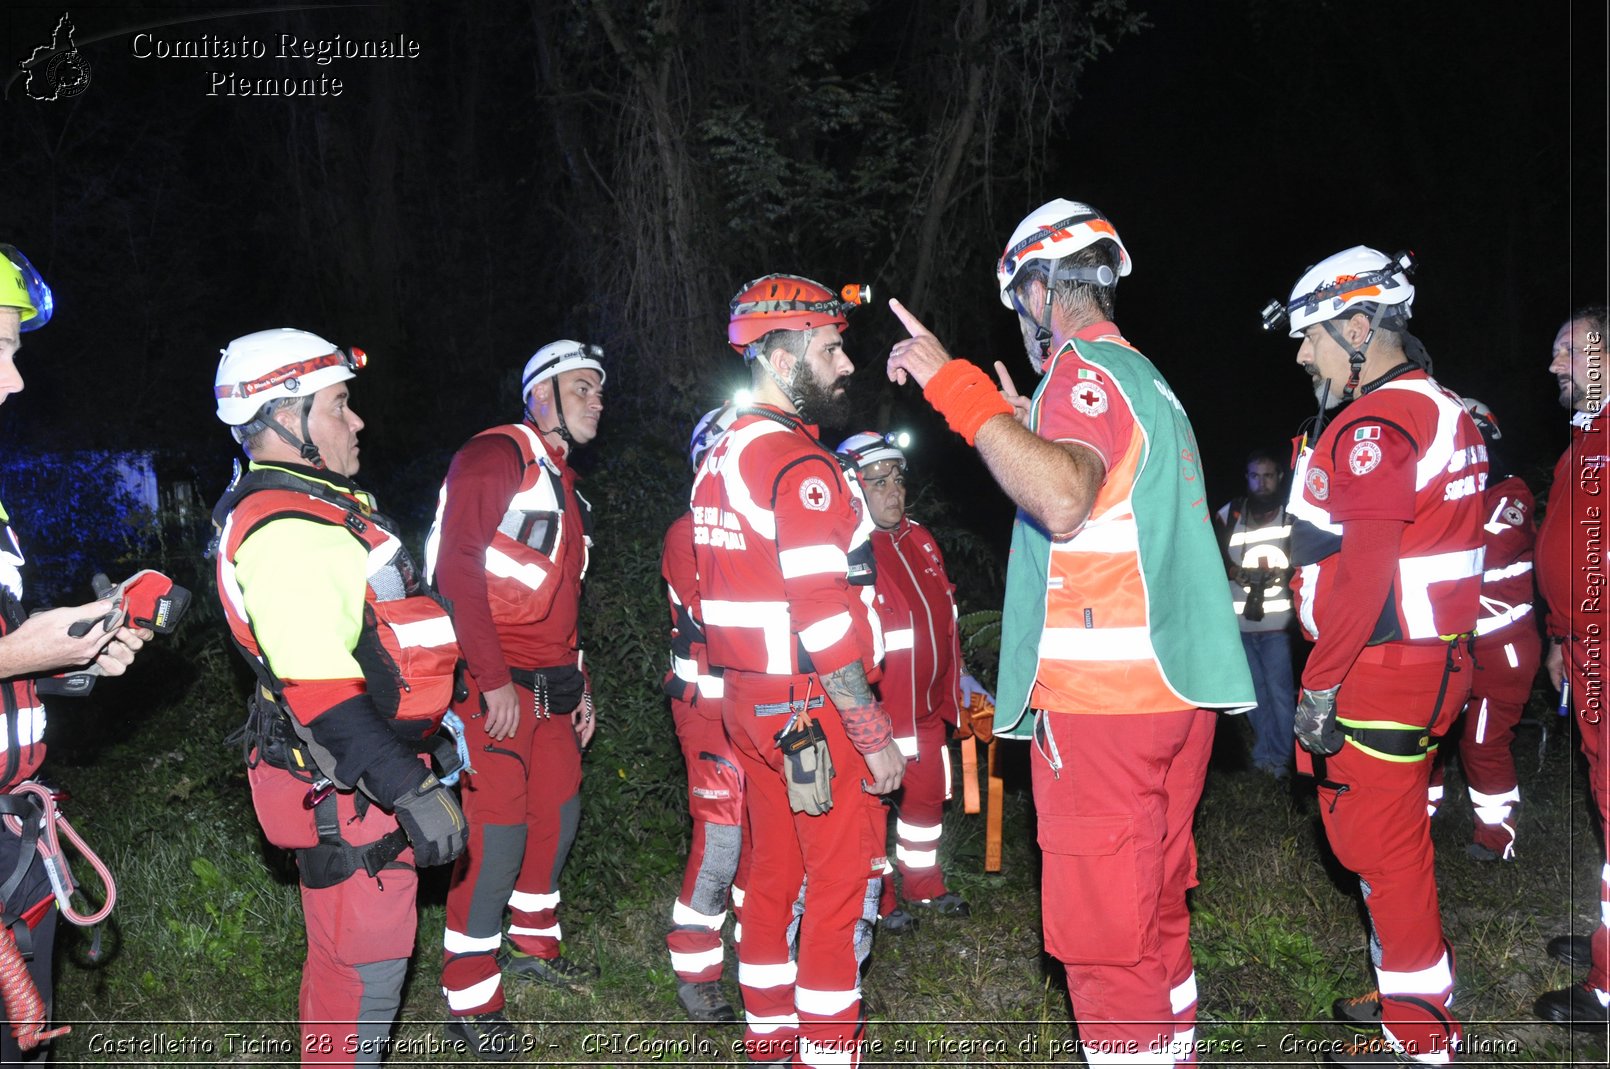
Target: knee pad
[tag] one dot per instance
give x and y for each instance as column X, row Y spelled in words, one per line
column 722, row 844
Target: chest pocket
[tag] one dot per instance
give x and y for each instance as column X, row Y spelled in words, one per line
column 534, row 530
column 408, row 650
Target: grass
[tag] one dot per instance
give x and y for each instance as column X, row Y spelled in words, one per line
column 207, row 942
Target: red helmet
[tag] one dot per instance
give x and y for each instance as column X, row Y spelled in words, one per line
column 781, row 302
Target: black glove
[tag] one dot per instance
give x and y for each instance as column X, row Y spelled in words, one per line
column 1316, row 721
column 435, row 825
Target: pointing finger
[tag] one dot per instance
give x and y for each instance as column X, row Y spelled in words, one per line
column 912, row 324
column 1005, row 377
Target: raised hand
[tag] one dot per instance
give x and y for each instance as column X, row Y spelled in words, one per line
column 918, row 357
column 1020, row 404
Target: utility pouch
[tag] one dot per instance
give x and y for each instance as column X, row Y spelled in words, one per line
column 268, row 736
column 807, row 768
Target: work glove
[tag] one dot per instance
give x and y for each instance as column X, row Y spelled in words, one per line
column 435, row 825
column 807, row 769
column 145, row 599
column 1316, row 721
column 969, row 687
column 976, row 709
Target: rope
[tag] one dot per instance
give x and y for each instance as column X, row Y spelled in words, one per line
column 24, row 1008
column 50, row 852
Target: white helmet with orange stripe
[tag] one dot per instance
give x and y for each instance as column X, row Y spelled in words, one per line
column 1041, row 247
column 1358, row 280
column 260, row 372
column 1054, row 230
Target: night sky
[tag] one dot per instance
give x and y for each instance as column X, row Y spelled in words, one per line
column 1232, row 144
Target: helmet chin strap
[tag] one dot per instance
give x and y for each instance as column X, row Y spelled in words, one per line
column 304, row 445
column 1355, row 355
column 561, row 428
column 794, row 398
column 1042, row 326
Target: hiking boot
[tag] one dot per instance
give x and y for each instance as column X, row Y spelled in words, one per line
column 1365, row 1009
column 1364, row 1051
column 705, row 1001
column 555, row 972
column 1576, row 1005
column 1573, row 950
column 1479, row 852
column 489, row 1036
column 899, row 922
column 949, row 904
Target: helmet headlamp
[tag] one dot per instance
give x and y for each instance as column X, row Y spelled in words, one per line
column 352, row 358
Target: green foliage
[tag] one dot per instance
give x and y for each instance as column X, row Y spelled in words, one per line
column 634, row 783
column 981, row 643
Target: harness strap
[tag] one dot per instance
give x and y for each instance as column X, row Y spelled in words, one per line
column 1391, row 743
column 27, row 812
column 333, row 860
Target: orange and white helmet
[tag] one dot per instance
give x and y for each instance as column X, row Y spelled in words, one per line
column 1359, row 278
column 783, row 302
column 1056, row 229
column 269, row 364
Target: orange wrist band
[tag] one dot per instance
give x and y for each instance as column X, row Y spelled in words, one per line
column 966, row 397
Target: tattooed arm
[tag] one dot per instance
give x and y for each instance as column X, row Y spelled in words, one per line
column 867, row 725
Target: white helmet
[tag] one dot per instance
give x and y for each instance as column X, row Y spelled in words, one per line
column 260, row 367
column 1358, row 276
column 869, row 448
column 1056, row 229
column 1485, row 420
column 556, row 357
column 708, row 431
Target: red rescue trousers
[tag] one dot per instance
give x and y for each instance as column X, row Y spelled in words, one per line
column 921, row 815
column 1374, row 812
column 1585, row 668
column 521, row 806
column 360, row 932
column 1506, row 664
column 718, row 857
column 812, row 996
column 1118, row 856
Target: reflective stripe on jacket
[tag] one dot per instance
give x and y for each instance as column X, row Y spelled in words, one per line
column 1129, row 614
column 523, row 573
column 917, row 606
column 22, row 733
column 784, row 562
column 1509, row 537
column 405, row 650
column 1434, row 593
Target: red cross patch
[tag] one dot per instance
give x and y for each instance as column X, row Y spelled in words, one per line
column 1318, row 484
column 1364, row 457
column 1089, row 398
column 814, row 494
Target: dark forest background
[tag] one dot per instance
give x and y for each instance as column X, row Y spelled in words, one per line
column 612, row 170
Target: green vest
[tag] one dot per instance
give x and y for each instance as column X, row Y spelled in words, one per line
column 1192, row 623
